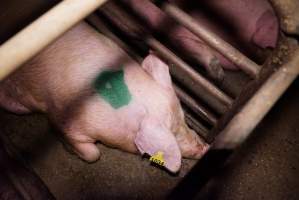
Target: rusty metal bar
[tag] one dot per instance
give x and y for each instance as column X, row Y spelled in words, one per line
column 198, row 109
column 211, row 38
column 241, row 125
column 32, row 39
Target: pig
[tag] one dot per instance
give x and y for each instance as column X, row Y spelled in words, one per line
column 94, row 92
column 246, row 24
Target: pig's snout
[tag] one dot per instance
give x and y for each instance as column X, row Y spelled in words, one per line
column 191, row 145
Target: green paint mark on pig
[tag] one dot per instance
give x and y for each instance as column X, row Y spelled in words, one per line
column 112, row 88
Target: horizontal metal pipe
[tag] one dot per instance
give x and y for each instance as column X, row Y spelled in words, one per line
column 212, row 39
column 195, row 107
column 36, row 36
column 242, row 124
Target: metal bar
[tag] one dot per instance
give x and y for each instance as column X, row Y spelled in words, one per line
column 212, row 39
column 195, row 77
column 197, row 126
column 242, row 124
column 200, row 86
column 198, row 109
column 32, row 39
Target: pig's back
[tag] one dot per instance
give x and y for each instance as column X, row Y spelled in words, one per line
column 67, row 68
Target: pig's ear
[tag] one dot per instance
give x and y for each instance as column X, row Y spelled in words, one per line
column 158, row 70
column 154, row 139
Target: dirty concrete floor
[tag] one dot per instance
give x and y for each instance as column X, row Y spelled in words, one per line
column 265, row 167
column 117, row 175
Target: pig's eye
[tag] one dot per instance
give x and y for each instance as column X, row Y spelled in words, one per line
column 111, row 86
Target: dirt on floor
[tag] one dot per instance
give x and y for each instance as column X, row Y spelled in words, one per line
column 265, row 167
column 117, row 175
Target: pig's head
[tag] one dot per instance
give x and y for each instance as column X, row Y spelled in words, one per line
column 164, row 128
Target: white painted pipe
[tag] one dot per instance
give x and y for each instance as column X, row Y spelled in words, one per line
column 243, row 123
column 36, row 36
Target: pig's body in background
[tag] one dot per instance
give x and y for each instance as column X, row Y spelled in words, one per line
column 60, row 81
column 246, row 24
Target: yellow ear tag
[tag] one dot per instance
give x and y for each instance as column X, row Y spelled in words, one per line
column 158, row 158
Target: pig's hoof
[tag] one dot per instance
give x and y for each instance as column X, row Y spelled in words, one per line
column 87, row 151
column 215, row 70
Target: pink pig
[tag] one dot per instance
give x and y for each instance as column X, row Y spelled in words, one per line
column 67, row 82
column 248, row 23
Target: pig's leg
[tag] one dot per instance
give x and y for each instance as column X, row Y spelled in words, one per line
column 81, row 143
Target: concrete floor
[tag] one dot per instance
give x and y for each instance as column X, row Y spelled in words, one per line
column 266, row 167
